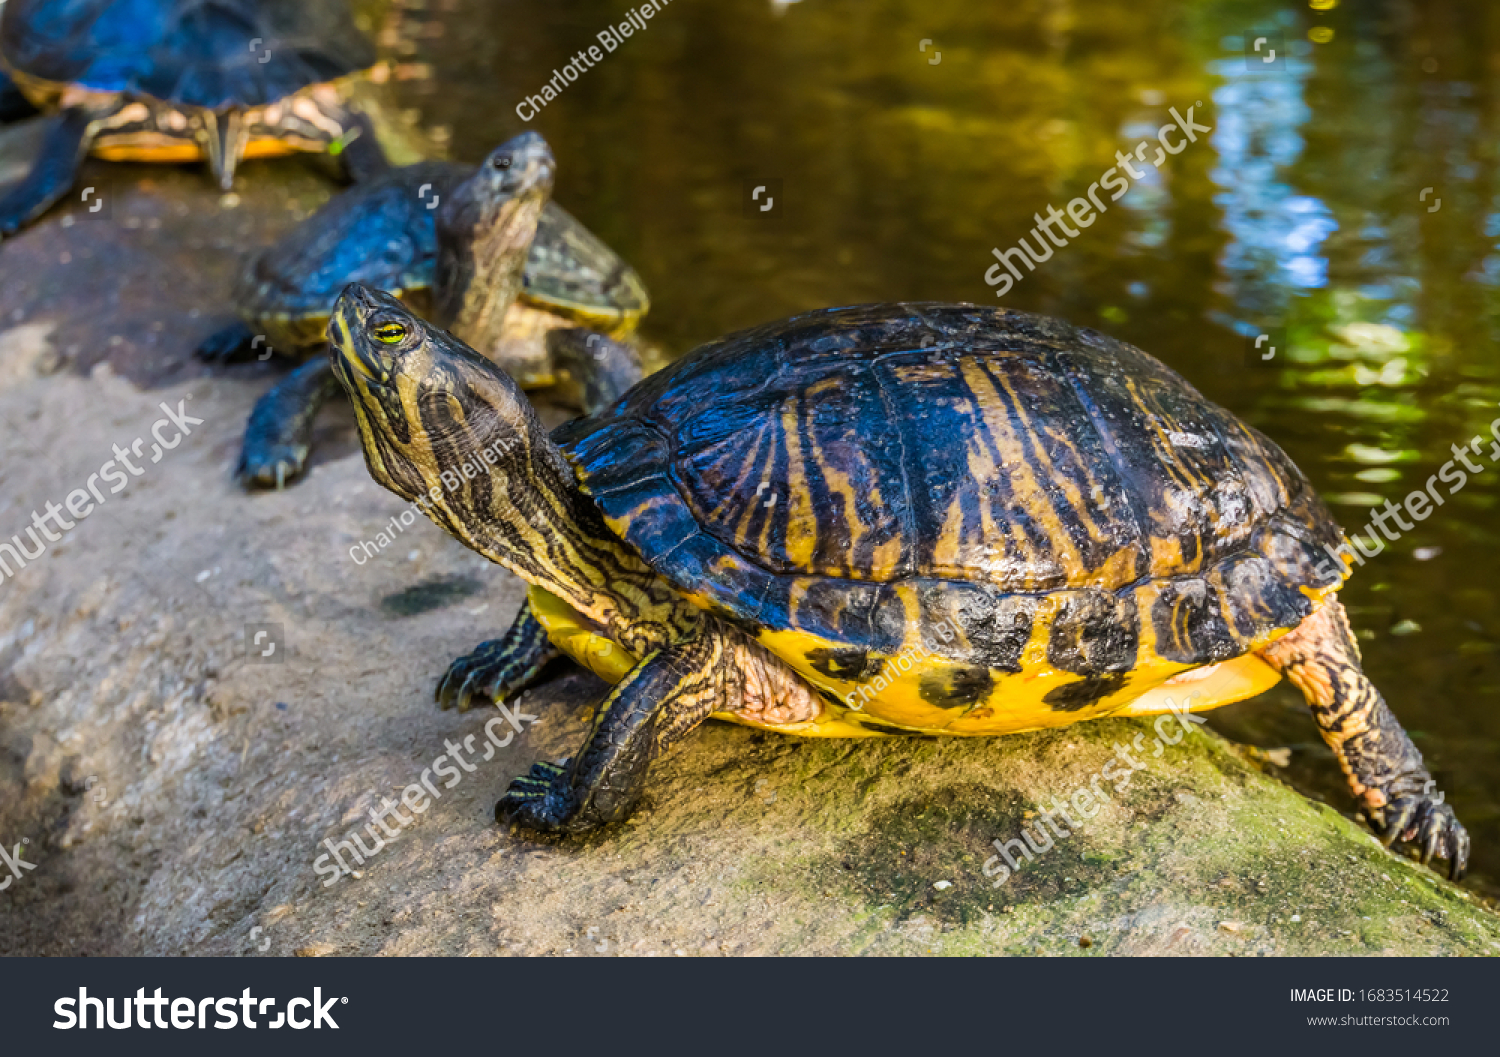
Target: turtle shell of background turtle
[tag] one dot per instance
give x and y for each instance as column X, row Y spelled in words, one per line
column 1001, row 521
column 201, row 53
column 383, row 233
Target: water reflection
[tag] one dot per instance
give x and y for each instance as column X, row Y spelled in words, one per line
column 1276, row 232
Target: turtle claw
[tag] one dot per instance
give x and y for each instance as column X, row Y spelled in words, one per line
column 541, row 800
column 480, row 673
column 494, row 673
column 271, row 468
column 1428, row 825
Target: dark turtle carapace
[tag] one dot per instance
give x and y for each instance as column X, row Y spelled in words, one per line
column 178, row 80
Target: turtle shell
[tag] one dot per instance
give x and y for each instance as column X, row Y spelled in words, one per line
column 997, row 520
column 203, row 53
column 383, row 233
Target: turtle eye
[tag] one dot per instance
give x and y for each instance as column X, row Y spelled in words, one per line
column 390, row 333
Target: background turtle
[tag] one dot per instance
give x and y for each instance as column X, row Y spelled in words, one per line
column 179, row 80
column 925, row 518
column 409, row 233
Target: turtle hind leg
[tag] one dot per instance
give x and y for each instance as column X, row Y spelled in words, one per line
column 278, row 437
column 602, row 367
column 502, row 668
column 14, row 106
column 1384, row 769
column 658, row 702
column 230, row 344
column 64, row 146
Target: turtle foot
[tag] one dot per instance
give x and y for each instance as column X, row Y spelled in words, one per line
column 492, row 674
column 541, row 800
column 497, row 671
column 1425, row 823
column 271, row 466
column 231, row 344
column 279, row 435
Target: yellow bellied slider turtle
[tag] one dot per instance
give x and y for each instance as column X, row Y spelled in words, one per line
column 429, row 234
column 906, row 518
column 180, row 80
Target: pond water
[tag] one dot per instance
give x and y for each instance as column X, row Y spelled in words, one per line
column 1343, row 205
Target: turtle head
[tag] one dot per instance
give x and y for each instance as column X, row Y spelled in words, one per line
column 439, row 423
column 445, row 428
column 484, row 235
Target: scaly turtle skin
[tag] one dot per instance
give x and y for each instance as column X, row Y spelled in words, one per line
column 384, row 233
column 921, row 518
column 179, row 80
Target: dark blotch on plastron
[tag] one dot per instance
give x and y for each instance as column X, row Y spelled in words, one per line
column 870, row 723
column 429, row 595
column 849, row 664
column 1074, row 696
column 957, row 687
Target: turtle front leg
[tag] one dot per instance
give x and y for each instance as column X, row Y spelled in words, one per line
column 64, row 146
column 230, row 344
column 602, row 367
column 658, row 702
column 278, row 437
column 498, row 670
column 14, row 106
column 358, row 149
column 1384, row 769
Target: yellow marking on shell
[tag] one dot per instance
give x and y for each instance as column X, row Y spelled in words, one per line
column 1115, row 571
column 172, row 141
column 839, row 483
column 1042, row 502
column 894, row 696
column 801, row 535
column 1017, row 703
column 1029, row 492
column 160, row 148
column 308, row 108
column 1166, row 549
column 1119, row 568
column 129, row 114
column 950, row 539
column 1146, row 649
column 734, row 458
